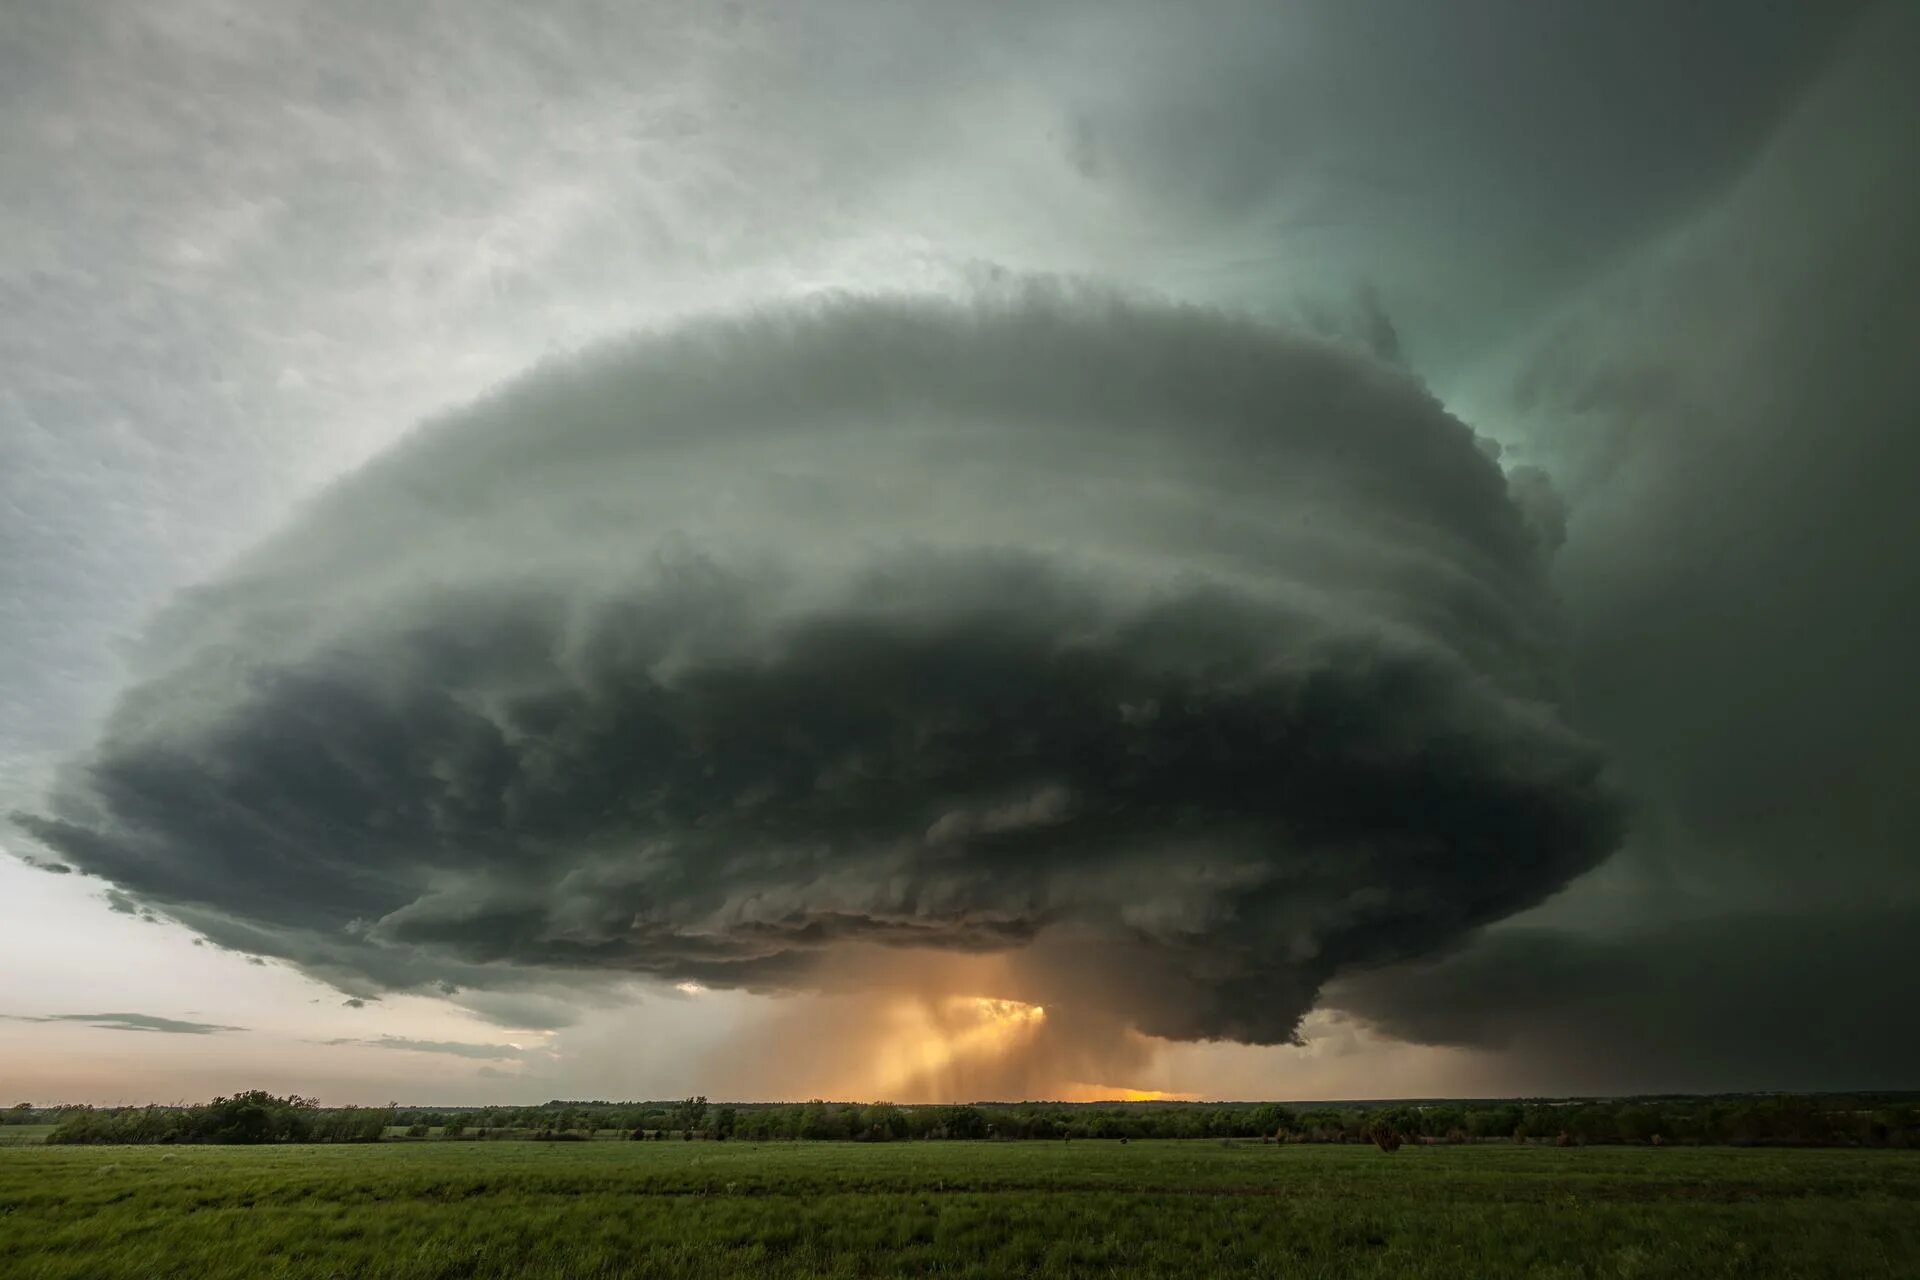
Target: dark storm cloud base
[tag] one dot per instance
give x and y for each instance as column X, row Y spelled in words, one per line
column 1196, row 661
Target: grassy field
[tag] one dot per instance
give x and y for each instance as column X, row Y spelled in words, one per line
column 22, row 1135
column 445, row 1209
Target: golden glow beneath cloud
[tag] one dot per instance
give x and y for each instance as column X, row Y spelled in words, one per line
column 1110, row 1093
column 927, row 1041
column 932, row 1027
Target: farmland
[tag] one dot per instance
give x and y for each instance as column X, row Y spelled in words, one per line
column 452, row 1209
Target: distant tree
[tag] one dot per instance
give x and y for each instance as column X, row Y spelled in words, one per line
column 882, row 1122
column 1493, row 1122
column 353, row 1124
column 1442, row 1121
column 691, row 1113
column 1271, row 1121
column 257, row 1117
column 964, row 1122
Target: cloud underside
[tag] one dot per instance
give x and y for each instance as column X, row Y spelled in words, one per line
column 1748, row 1001
column 1192, row 661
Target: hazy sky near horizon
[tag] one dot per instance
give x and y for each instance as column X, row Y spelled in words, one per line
column 1388, row 519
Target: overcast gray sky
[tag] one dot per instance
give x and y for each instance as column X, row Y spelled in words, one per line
column 1383, row 522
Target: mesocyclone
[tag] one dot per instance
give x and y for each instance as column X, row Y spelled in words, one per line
column 1185, row 661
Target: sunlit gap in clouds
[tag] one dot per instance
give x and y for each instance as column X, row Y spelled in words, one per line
column 916, row 1026
column 961, row 1048
column 925, row 1039
column 930, row 1048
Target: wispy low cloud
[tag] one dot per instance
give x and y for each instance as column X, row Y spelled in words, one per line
column 121, row 904
column 128, row 1022
column 455, row 1048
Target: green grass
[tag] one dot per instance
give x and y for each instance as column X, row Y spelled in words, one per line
column 398, row 1133
column 21, row 1135
column 447, row 1209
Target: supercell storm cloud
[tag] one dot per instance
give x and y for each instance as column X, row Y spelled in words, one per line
column 1189, row 662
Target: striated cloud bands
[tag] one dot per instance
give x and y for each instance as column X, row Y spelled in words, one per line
column 1189, row 660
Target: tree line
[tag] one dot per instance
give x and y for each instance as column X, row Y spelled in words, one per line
column 259, row 1117
column 251, row 1118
